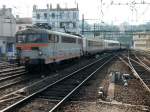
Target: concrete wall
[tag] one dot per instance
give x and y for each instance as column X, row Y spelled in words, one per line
column 141, row 41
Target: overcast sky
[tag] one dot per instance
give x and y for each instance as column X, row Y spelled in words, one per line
column 113, row 14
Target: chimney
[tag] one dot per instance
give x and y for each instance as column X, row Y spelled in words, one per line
column 4, row 6
column 10, row 10
column 34, row 7
column 77, row 6
column 58, row 7
column 47, row 6
column 17, row 16
column 51, row 6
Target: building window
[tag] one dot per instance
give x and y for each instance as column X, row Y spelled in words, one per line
column 67, row 24
column 68, row 15
column 53, row 24
column 74, row 15
column 45, row 15
column 61, row 25
column 62, row 14
column 20, row 27
column 38, row 16
column 4, row 42
column 74, row 25
column 53, row 15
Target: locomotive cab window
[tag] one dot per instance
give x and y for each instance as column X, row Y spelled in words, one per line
column 32, row 38
column 53, row 38
column 37, row 38
column 21, row 38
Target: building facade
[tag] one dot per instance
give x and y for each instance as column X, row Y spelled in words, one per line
column 60, row 19
column 7, row 31
column 23, row 23
column 141, row 41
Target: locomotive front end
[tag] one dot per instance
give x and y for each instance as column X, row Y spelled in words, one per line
column 30, row 54
column 30, row 47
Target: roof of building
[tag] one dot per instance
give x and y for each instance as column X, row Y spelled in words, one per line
column 142, row 33
column 24, row 20
column 6, row 12
column 59, row 9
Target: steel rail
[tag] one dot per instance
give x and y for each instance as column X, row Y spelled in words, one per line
column 11, row 69
column 11, row 84
column 146, row 52
column 76, row 88
column 147, row 60
column 136, row 74
column 9, row 108
column 141, row 64
column 147, row 67
column 5, row 74
column 26, row 87
column 12, row 76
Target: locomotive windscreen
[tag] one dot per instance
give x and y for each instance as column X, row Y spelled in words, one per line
column 32, row 38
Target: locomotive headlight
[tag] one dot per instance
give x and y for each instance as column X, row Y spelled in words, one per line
column 40, row 53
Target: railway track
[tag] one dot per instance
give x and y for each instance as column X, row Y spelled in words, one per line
column 11, row 73
column 60, row 89
column 145, row 55
column 9, row 77
column 23, row 82
column 8, row 71
column 139, row 69
column 5, row 65
column 143, row 59
column 14, row 75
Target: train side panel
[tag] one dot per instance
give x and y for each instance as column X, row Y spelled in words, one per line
column 94, row 46
column 65, row 49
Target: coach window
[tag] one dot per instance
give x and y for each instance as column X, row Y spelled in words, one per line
column 79, row 41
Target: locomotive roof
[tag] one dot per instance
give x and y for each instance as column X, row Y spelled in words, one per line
column 38, row 30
